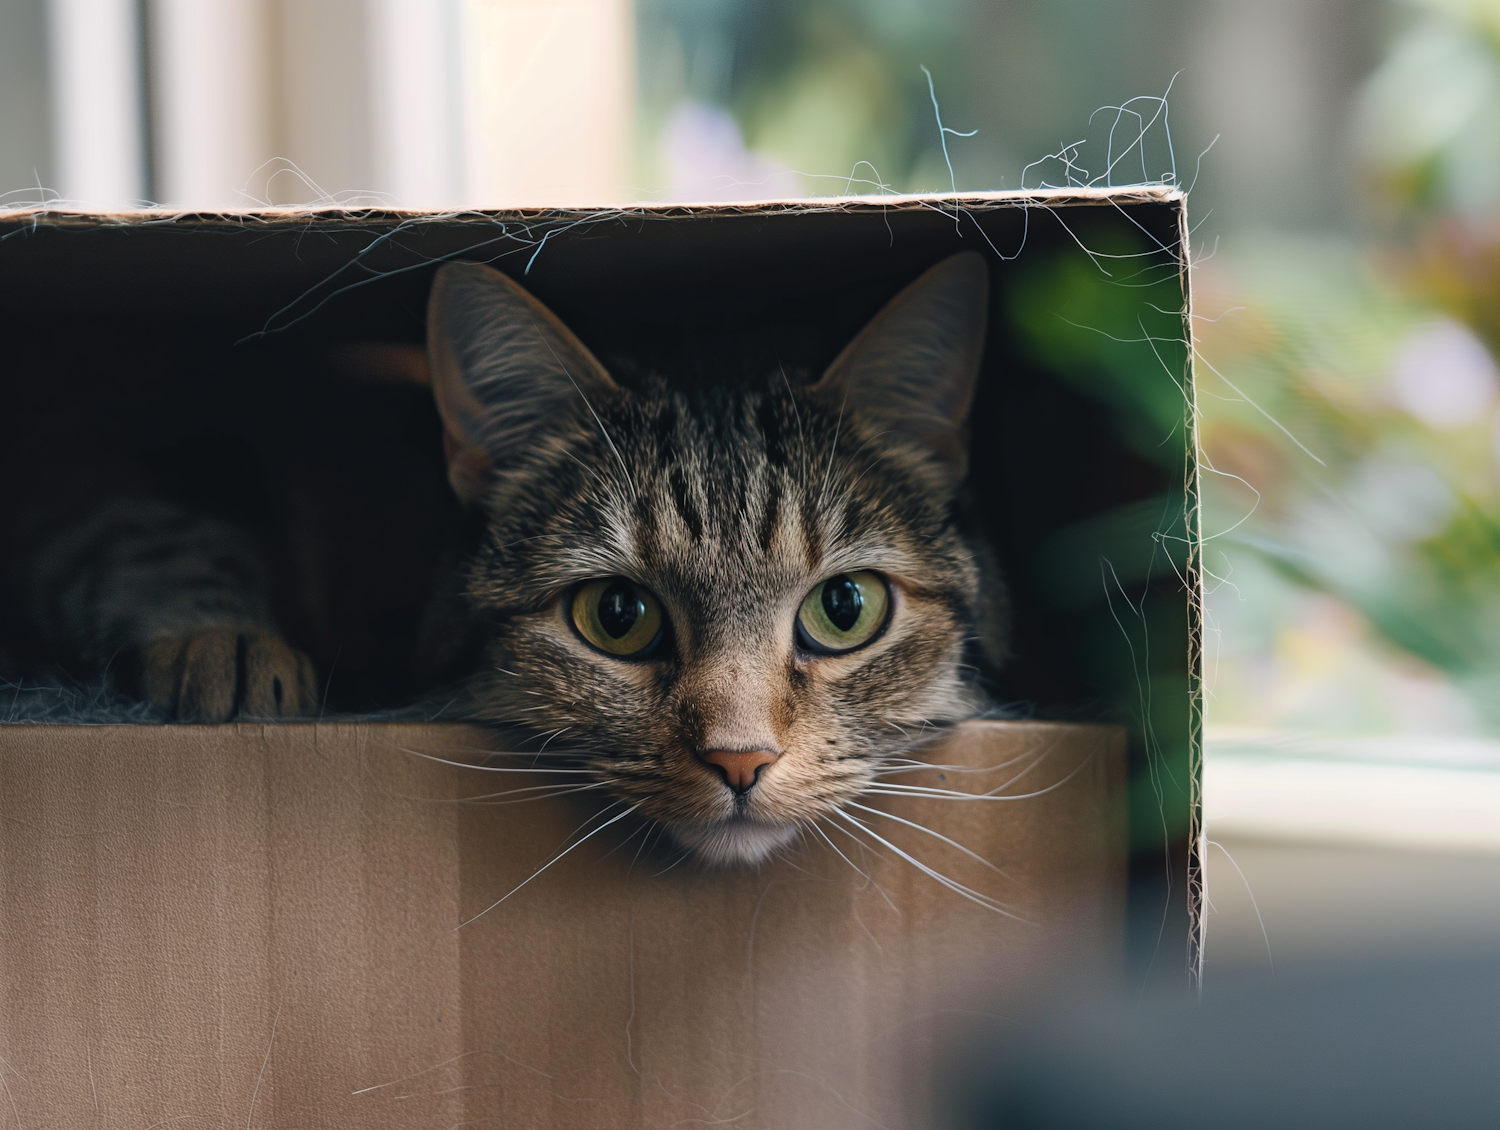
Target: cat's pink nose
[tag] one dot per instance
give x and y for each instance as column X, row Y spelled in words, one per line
column 741, row 768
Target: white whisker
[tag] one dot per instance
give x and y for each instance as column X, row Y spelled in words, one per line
column 850, row 862
column 910, row 765
column 683, row 854
column 589, row 405
column 544, row 792
column 944, row 794
column 935, row 835
column 551, row 736
column 937, row 876
column 644, row 828
column 489, row 768
column 957, row 794
column 653, row 829
column 550, row 862
column 833, row 451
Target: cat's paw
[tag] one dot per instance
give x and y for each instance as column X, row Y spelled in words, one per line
column 217, row 674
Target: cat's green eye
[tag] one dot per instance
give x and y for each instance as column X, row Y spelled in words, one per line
column 617, row 616
column 843, row 613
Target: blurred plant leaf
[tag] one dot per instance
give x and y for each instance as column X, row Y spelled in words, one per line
column 1118, row 340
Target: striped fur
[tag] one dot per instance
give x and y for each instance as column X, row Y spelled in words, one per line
column 730, row 504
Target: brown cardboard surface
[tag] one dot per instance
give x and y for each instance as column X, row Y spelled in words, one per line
column 259, row 926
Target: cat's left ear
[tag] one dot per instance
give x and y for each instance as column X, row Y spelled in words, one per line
column 503, row 366
column 912, row 370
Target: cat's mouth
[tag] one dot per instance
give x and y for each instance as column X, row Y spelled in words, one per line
column 735, row 839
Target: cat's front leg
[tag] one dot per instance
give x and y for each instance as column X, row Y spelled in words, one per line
column 217, row 674
column 173, row 604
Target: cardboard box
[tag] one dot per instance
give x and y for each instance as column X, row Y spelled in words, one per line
column 261, row 925
column 299, row 925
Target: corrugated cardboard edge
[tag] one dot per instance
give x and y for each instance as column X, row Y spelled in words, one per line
column 62, row 216
column 1197, row 848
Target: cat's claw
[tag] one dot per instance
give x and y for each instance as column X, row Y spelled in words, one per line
column 218, row 674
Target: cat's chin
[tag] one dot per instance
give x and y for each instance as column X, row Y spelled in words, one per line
column 737, row 840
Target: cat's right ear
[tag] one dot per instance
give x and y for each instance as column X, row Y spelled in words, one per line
column 912, row 370
column 503, row 366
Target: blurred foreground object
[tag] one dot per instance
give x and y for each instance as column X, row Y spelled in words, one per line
column 1371, row 1048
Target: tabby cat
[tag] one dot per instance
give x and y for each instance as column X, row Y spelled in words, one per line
column 728, row 602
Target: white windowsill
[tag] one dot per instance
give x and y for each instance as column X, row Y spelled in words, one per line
column 1436, row 794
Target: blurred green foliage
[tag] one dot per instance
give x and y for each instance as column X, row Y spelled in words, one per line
column 835, row 89
column 1352, row 428
column 829, row 88
column 1108, row 322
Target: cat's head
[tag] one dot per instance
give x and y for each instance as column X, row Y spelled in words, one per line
column 731, row 604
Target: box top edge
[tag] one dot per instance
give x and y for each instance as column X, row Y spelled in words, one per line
column 62, row 215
